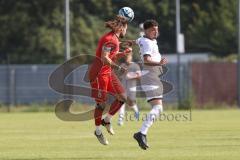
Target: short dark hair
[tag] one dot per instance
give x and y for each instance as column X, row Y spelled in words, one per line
column 150, row 23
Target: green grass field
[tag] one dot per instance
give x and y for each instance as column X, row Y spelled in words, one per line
column 213, row 134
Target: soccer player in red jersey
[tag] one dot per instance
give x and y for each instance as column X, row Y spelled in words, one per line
column 103, row 80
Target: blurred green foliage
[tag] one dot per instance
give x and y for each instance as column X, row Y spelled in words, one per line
column 33, row 31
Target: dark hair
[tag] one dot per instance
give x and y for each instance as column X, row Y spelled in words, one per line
column 115, row 24
column 150, row 23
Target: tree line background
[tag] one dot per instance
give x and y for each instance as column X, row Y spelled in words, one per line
column 32, row 31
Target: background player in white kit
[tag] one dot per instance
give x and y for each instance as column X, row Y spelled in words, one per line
column 129, row 80
column 150, row 82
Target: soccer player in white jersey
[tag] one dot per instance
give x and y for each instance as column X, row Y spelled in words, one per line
column 150, row 82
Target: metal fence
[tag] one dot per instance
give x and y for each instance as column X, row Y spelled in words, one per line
column 28, row 84
column 21, row 84
column 214, row 82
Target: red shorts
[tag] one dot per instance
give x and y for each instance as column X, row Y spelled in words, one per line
column 106, row 84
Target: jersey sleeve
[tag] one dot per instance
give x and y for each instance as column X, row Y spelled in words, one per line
column 109, row 46
column 145, row 47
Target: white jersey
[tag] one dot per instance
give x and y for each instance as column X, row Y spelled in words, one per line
column 150, row 83
column 149, row 47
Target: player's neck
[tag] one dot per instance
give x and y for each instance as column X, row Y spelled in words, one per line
column 149, row 37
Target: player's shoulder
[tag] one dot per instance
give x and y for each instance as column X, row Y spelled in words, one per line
column 109, row 37
column 144, row 41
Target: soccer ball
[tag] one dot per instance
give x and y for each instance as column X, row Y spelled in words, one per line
column 126, row 12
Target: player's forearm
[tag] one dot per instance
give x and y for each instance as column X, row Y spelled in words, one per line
column 109, row 62
column 120, row 55
column 128, row 43
column 151, row 63
column 124, row 53
column 115, row 66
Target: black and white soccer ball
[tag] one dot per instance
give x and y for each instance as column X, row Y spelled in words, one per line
column 127, row 12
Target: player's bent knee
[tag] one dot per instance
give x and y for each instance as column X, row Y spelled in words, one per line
column 121, row 102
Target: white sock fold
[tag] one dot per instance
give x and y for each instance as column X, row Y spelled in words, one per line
column 151, row 117
column 98, row 130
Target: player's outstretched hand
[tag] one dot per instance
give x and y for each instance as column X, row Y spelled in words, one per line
column 163, row 61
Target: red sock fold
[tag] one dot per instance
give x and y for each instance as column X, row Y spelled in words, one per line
column 98, row 116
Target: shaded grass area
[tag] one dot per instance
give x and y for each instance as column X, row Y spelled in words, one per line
column 213, row 134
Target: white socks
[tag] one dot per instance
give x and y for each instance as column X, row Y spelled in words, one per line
column 134, row 107
column 151, row 117
column 106, row 119
column 121, row 113
column 98, row 130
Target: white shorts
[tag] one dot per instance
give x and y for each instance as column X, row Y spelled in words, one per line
column 151, row 83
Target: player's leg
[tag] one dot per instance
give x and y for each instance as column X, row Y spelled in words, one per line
column 131, row 101
column 153, row 90
column 117, row 89
column 141, row 136
column 121, row 115
column 152, row 115
column 114, row 108
column 133, row 105
column 99, row 93
column 98, row 121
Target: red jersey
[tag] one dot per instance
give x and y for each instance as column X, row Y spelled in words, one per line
column 110, row 42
